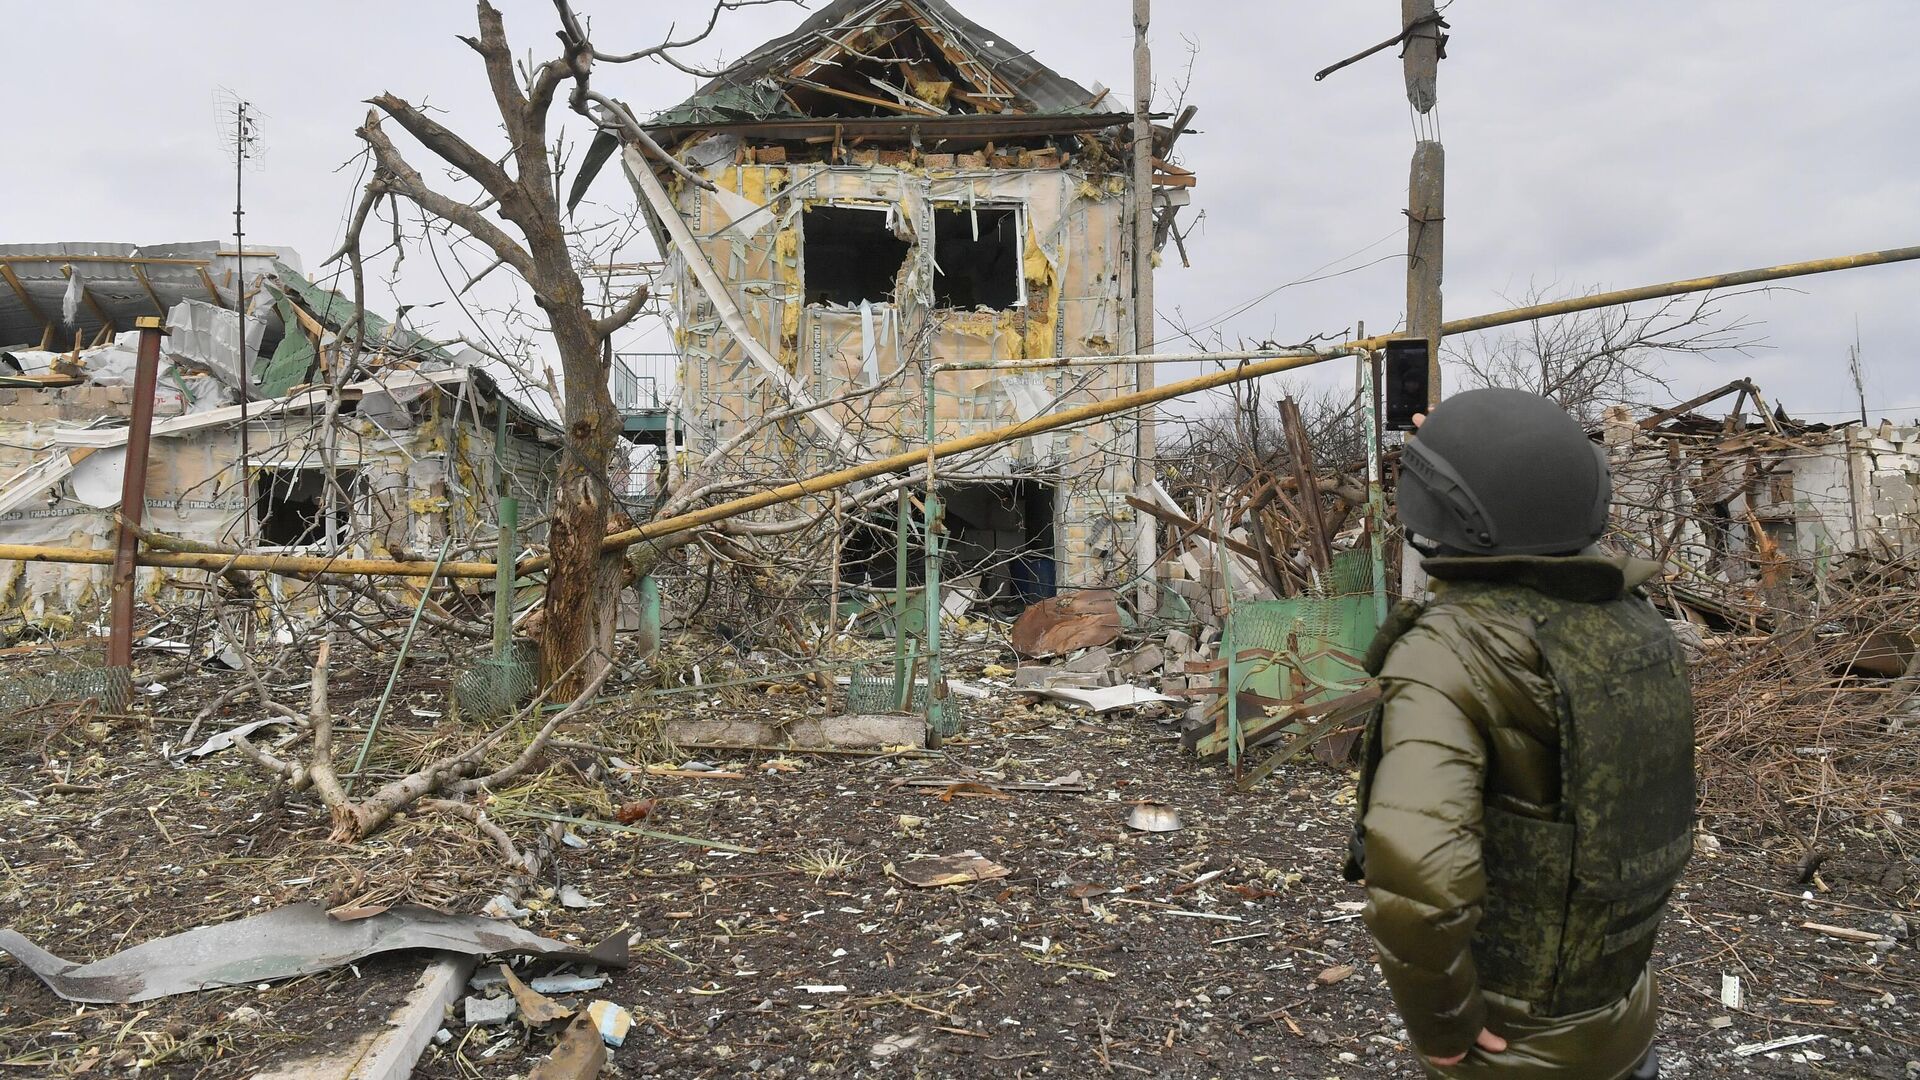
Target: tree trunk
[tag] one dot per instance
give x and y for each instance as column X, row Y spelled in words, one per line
column 582, row 583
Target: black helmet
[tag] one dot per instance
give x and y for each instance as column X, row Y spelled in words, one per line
column 1503, row 472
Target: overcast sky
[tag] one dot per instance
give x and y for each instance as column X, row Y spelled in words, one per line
column 1588, row 146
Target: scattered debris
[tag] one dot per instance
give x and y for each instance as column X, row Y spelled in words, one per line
column 611, row 1021
column 1154, row 817
column 567, row 984
column 579, row 1055
column 1107, row 699
column 962, row 869
column 298, row 939
column 1074, row 620
column 1864, row 937
column 487, row 1011
column 892, row 1045
column 536, row 1009
column 1750, row 1049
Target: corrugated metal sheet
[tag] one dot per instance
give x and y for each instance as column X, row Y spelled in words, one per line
column 111, row 275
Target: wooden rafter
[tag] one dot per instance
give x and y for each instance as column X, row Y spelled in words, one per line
column 212, row 289
column 864, row 99
column 853, row 44
column 140, row 260
column 884, row 29
column 961, row 62
column 26, row 301
column 152, row 293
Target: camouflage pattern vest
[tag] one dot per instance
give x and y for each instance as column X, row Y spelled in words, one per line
column 1573, row 903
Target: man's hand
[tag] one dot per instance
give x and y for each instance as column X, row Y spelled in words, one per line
column 1486, row 1041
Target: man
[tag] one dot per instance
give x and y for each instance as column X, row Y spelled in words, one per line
column 1526, row 793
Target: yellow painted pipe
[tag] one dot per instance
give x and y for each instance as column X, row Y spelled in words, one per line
column 653, row 530
column 1670, row 288
column 272, row 564
column 901, row 462
column 1241, row 372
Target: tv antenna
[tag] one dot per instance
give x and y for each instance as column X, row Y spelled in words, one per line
column 239, row 124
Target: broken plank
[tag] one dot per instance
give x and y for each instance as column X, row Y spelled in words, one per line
column 1864, row 937
column 1197, row 529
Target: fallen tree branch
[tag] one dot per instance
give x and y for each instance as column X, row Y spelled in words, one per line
column 516, row 861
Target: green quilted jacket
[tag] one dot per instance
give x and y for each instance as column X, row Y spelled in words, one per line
column 1468, row 718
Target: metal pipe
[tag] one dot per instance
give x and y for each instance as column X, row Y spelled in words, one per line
column 399, row 661
column 930, row 594
column 507, row 551
column 133, row 491
column 1117, row 360
column 1247, row 366
column 901, row 462
column 256, row 563
column 1670, row 288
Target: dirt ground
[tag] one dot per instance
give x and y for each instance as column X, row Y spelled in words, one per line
column 1227, row 948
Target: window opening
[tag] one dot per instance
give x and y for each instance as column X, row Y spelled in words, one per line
column 977, row 253
column 850, row 255
column 290, row 505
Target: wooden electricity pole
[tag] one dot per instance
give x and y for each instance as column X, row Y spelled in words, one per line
column 1146, row 554
column 1426, row 185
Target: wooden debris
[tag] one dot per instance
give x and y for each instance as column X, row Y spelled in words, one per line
column 1335, row 974
column 579, row 1055
column 1864, row 937
column 962, row 869
column 536, row 1008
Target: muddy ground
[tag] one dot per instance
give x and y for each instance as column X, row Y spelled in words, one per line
column 1227, row 948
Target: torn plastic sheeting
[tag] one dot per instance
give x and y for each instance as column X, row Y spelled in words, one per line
column 1106, row 698
column 281, row 944
column 220, row 740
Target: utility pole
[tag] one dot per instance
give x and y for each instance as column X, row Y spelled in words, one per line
column 1146, row 553
column 1421, row 49
column 1426, row 185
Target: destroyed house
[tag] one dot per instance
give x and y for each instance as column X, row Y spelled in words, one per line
column 893, row 187
column 413, row 444
column 1758, row 500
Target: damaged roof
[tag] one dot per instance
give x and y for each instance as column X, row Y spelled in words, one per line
column 109, row 286
column 961, row 68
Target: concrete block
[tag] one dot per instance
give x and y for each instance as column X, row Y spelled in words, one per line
column 1093, row 660
column 859, row 732
column 1147, row 658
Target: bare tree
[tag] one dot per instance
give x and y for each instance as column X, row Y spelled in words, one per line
column 523, row 188
column 1590, row 360
column 1245, row 437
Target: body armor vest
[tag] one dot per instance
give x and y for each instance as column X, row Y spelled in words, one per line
column 1573, row 901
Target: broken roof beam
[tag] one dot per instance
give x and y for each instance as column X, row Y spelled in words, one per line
column 864, row 99
column 213, row 290
column 1708, row 398
column 152, row 293
column 930, row 128
column 140, row 260
column 26, row 301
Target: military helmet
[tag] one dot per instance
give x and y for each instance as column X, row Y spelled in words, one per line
column 1503, row 472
